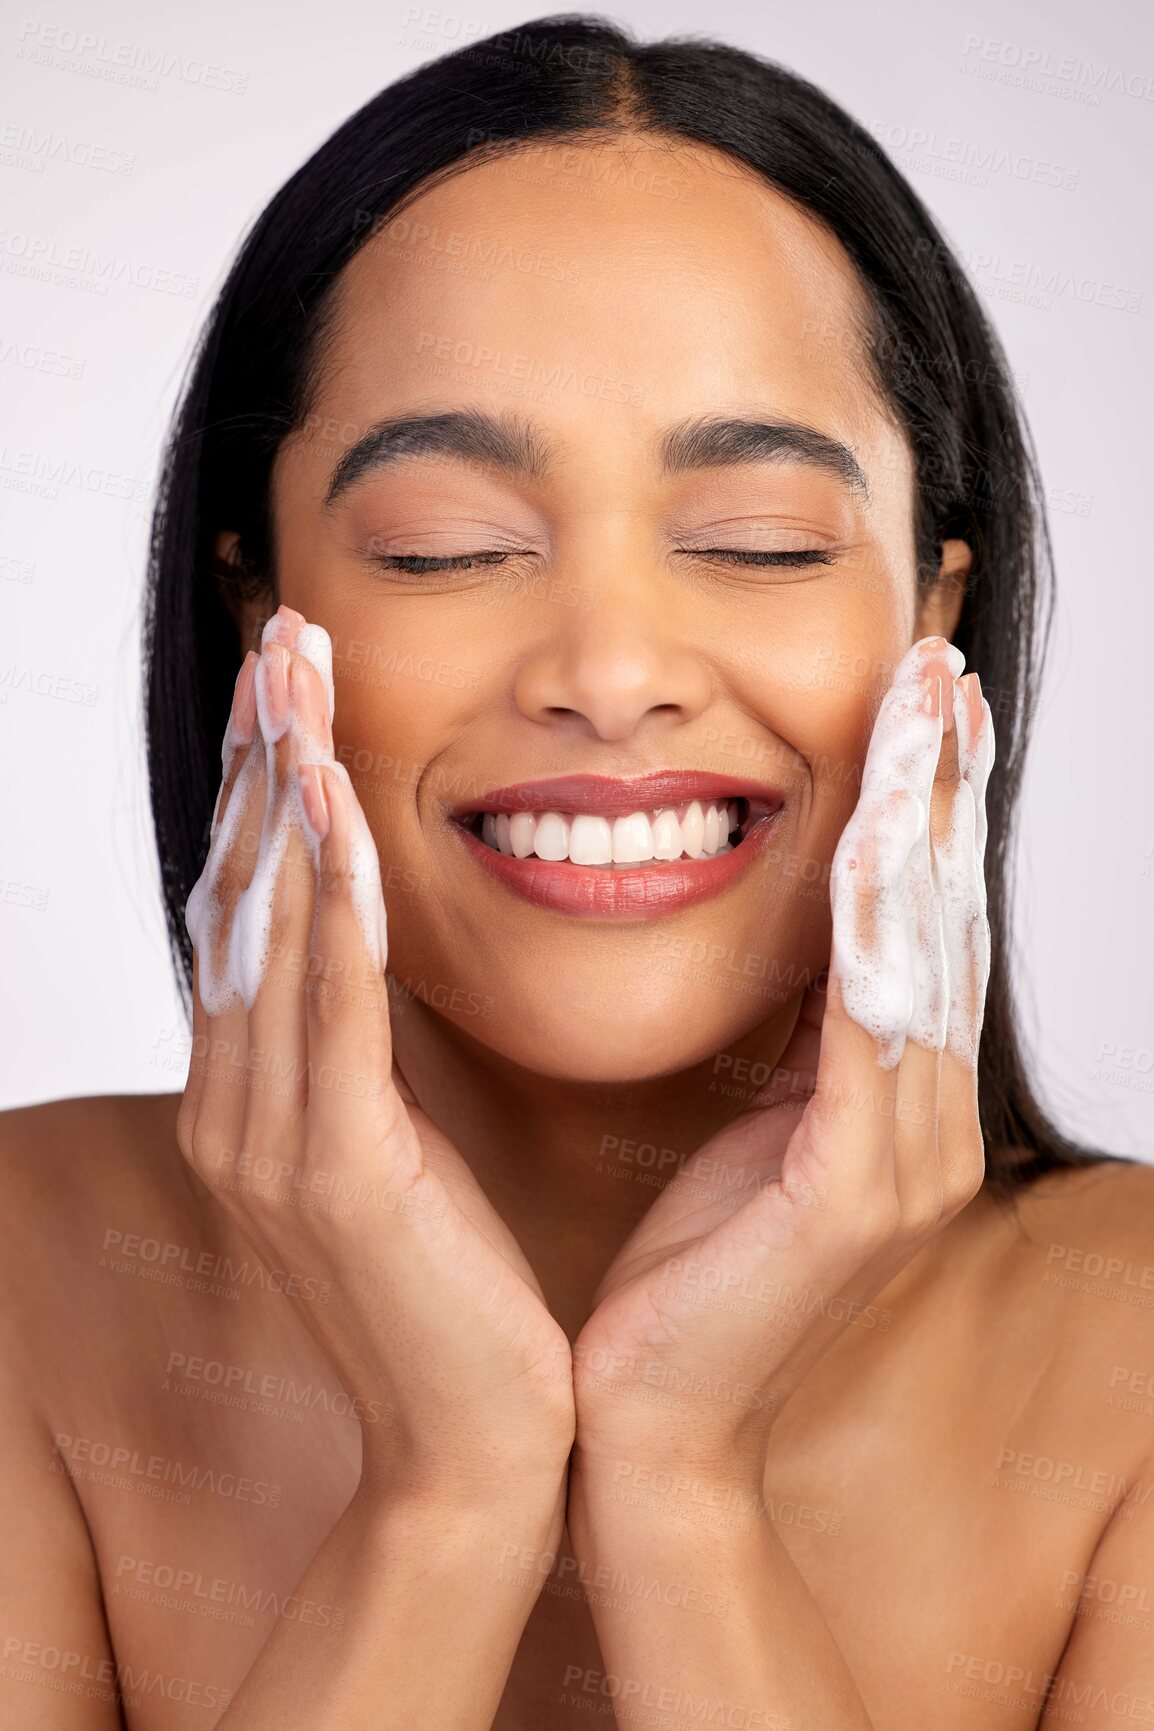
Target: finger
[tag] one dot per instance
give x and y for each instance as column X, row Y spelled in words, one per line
column 848, row 1112
column 947, row 773
column 959, row 865
column 194, row 1082
column 867, row 991
column 934, row 778
column 213, row 1121
column 924, row 753
column 885, row 981
column 871, row 958
column 962, row 1148
column 217, row 896
column 349, row 1033
column 977, row 747
column 283, row 897
column 237, row 735
column 252, row 869
column 212, row 1113
column 220, row 953
column 794, row 1076
column 218, row 1129
column 235, row 748
column 887, row 962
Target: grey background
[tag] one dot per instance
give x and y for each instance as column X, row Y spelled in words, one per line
column 138, row 144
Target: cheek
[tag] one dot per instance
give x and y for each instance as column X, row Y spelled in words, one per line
column 378, row 738
column 400, row 712
column 815, row 685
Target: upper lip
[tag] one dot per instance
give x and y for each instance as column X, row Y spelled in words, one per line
column 614, row 797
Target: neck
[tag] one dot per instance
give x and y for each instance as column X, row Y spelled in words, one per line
column 573, row 1165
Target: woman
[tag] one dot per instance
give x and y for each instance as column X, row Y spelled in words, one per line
column 651, row 1301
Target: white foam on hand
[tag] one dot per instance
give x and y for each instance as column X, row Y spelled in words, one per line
column 233, row 972
column 910, row 935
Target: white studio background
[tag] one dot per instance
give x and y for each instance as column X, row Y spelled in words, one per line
column 1028, row 130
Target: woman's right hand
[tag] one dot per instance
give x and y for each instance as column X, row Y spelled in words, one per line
column 296, row 1118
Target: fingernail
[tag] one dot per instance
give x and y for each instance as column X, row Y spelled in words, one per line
column 313, row 798
column 277, row 682
column 242, row 715
column 947, row 704
column 932, row 693
column 971, row 689
column 309, row 704
column 283, row 626
column 935, row 651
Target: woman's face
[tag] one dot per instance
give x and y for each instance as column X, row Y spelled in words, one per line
column 594, row 301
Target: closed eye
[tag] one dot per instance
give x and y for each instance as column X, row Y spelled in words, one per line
column 419, row 564
column 751, row 556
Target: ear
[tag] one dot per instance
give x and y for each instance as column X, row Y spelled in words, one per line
column 249, row 600
column 940, row 606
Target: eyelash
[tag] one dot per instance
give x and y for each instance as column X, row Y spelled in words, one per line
column 419, row 564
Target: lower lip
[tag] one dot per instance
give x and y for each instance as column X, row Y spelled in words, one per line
column 647, row 892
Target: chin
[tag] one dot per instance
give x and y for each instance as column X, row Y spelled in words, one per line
column 610, row 1028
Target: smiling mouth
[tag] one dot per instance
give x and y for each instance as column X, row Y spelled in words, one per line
column 698, row 829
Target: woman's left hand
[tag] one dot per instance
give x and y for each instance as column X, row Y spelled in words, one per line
column 783, row 1227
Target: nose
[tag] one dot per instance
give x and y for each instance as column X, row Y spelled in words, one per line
column 616, row 655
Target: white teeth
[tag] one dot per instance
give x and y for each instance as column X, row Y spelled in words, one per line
column 666, row 835
column 693, row 830
column 632, row 839
column 590, row 840
column 698, row 830
column 551, row 837
column 521, row 827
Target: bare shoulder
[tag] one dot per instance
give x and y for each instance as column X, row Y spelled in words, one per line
column 1075, row 1286
column 71, row 1171
column 60, row 1153
column 1091, row 1232
column 1093, row 1221
column 61, row 1163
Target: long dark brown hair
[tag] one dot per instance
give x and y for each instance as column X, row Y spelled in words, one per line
column 934, row 356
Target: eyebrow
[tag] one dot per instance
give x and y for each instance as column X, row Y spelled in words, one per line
column 517, row 447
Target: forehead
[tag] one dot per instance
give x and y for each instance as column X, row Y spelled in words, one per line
column 623, row 283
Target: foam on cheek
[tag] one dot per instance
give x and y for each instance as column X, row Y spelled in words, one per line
column 889, row 946
column 234, row 971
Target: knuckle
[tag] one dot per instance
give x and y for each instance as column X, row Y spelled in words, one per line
column 965, row 1182
column 338, row 874
column 231, row 872
column 226, row 795
column 185, row 1123
column 289, row 915
column 948, row 772
column 925, row 1216
column 208, row 1151
column 879, row 1220
column 332, row 990
column 901, row 811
